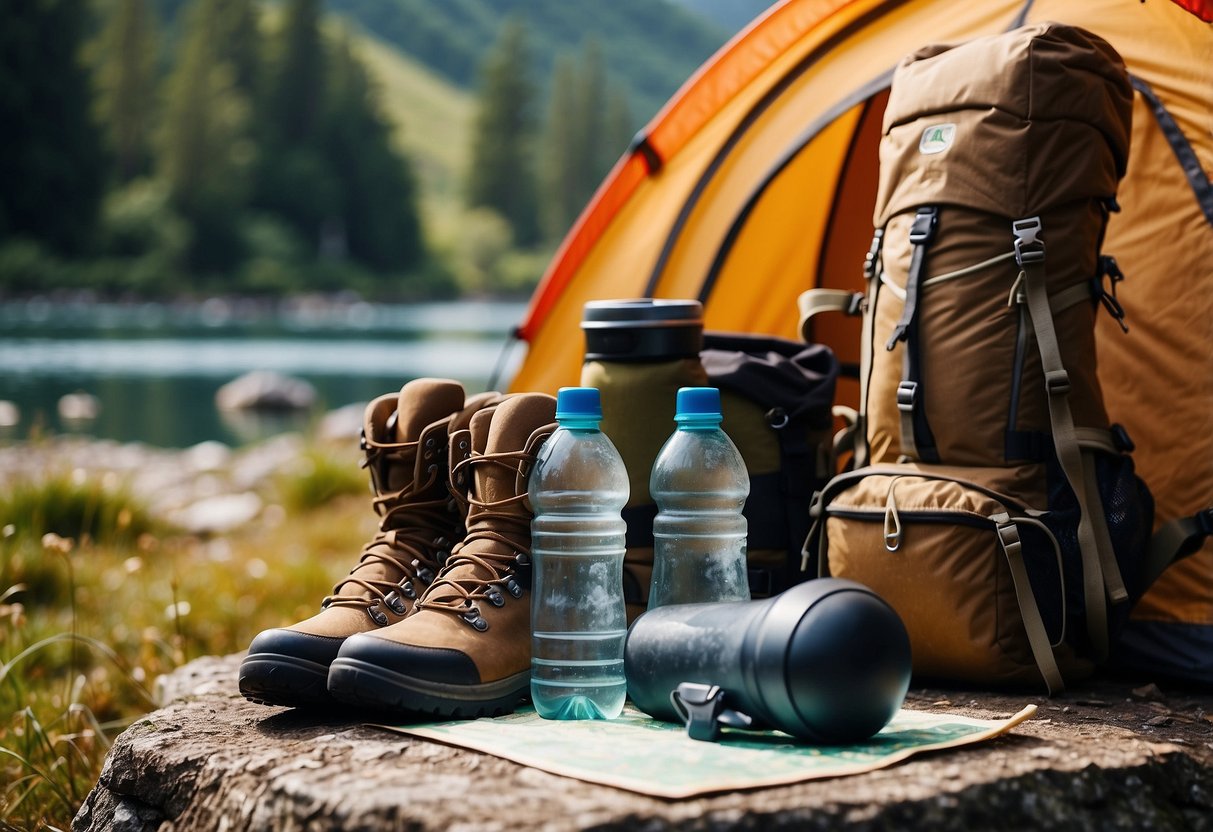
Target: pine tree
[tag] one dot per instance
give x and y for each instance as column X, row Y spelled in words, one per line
column 378, row 195
column 295, row 99
column 502, row 172
column 126, row 84
column 588, row 128
column 618, row 130
column 238, row 41
column 293, row 179
column 51, row 159
column 562, row 155
column 206, row 147
column 590, row 118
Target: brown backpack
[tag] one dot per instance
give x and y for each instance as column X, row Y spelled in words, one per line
column 992, row 503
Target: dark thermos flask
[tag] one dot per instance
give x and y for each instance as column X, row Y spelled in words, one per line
column 826, row 661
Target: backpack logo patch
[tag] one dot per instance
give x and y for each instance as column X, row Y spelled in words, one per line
column 936, row 139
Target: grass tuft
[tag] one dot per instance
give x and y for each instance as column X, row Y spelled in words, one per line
column 95, row 604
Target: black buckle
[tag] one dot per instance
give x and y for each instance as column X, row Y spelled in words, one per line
column 907, row 396
column 922, row 231
column 855, row 304
column 1029, row 247
column 1109, row 267
column 704, row 710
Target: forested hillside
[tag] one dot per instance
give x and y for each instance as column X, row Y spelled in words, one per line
column 649, row 46
column 396, row 148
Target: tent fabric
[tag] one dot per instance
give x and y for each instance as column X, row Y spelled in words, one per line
column 758, row 180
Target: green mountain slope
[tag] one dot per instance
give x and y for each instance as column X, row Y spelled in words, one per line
column 650, row 46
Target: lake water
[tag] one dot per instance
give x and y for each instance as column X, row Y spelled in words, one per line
column 155, row 368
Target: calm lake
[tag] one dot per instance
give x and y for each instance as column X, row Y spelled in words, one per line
column 155, row 368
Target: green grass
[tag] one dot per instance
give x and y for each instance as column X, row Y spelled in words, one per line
column 79, row 657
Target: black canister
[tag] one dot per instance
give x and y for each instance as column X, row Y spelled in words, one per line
column 825, row 661
column 642, row 329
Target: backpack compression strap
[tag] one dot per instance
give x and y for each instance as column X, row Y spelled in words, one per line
column 1174, row 541
column 917, row 441
column 1099, row 566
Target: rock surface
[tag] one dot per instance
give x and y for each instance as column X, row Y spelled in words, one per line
column 1109, row 755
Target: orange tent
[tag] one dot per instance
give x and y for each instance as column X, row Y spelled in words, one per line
column 758, row 180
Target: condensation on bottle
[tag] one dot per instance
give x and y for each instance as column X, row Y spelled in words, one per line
column 578, row 621
column 700, row 484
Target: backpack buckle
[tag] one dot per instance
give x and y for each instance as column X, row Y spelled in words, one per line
column 922, row 231
column 907, row 396
column 1029, row 247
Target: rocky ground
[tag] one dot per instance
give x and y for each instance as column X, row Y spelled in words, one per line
column 1111, row 754
column 207, row 488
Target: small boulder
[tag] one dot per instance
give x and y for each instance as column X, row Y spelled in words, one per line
column 265, row 390
column 79, row 407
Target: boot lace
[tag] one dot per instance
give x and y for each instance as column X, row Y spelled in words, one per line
column 410, row 542
column 494, row 574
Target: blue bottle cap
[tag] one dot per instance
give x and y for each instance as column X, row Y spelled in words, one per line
column 698, row 404
column 578, row 403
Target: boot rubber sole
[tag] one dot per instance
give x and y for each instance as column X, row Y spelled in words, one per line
column 276, row 679
column 370, row 686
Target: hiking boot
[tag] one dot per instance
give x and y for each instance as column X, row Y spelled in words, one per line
column 405, row 438
column 466, row 651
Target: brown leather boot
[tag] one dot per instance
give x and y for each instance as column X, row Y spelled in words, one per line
column 466, row 652
column 405, row 437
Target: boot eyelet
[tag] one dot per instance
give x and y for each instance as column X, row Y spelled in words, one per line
column 522, row 559
column 406, row 589
column 441, row 555
column 463, row 444
column 473, row 617
column 377, row 615
column 395, row 603
column 494, row 595
column 324, row 605
column 513, row 587
column 424, row 573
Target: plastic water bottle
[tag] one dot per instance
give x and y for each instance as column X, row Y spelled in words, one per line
column 700, row 484
column 578, row 622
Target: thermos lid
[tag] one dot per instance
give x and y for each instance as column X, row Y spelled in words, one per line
column 642, row 329
column 578, row 403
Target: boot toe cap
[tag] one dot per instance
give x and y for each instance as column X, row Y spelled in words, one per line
column 287, row 667
column 306, row 646
column 432, row 664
